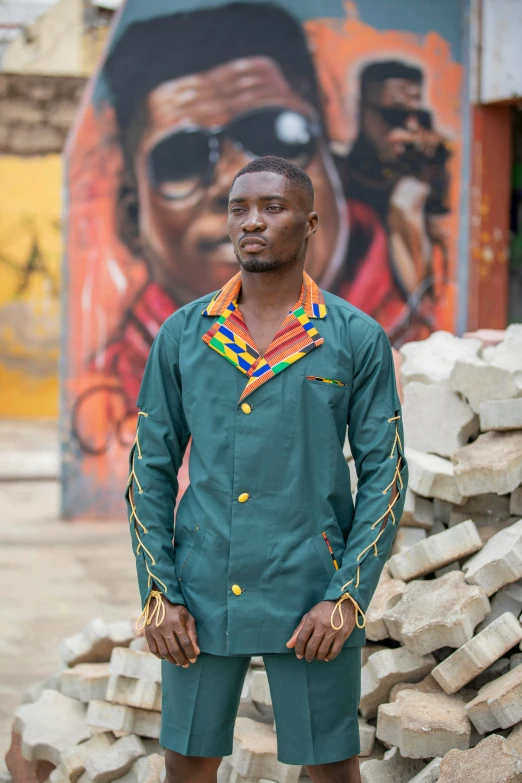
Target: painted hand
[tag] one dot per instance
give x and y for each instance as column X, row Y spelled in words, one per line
column 314, row 637
column 176, row 639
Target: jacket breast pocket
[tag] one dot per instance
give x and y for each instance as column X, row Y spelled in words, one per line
column 189, row 556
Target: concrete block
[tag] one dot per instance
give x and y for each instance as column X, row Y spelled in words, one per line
column 430, row 773
column 485, row 509
column 492, row 759
column 85, row 682
column 119, row 717
column 432, row 360
column 149, row 769
column 426, row 685
column 135, row 693
column 367, row 737
column 501, row 415
column 257, row 662
column 493, row 672
column 418, row 511
column 110, row 763
column 436, row 419
column 479, row 381
column 515, row 502
column 515, row 738
column 95, row 643
column 515, row 660
column 436, row 551
column 424, row 725
column 499, row 562
column 135, row 664
column 432, row 476
column 140, row 644
column 254, row 753
column 384, row 670
column 259, row 689
column 507, row 599
column 508, row 353
column 72, row 763
column 441, row 512
column 387, row 594
column 406, row 537
column 480, row 652
column 492, row 463
column 446, row 569
column 50, row 726
column 498, row 704
column 437, row 613
column 370, row 649
column 392, row 769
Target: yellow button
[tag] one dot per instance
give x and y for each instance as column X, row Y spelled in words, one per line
column 243, row 497
column 236, row 590
column 246, row 408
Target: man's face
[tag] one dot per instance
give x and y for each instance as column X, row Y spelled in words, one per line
column 390, row 104
column 270, row 220
column 201, row 130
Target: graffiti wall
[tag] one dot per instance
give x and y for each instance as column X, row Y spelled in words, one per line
column 30, row 258
column 366, row 97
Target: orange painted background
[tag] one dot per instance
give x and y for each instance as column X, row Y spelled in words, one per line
column 115, row 304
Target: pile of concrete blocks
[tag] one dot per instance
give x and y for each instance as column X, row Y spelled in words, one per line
column 442, row 674
column 441, row 690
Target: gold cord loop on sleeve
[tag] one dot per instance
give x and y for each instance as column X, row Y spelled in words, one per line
column 158, row 611
column 337, row 608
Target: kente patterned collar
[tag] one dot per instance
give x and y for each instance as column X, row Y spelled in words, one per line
column 229, row 335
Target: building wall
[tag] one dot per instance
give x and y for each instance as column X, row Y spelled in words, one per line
column 501, row 61
column 35, row 115
column 53, row 44
column 146, row 224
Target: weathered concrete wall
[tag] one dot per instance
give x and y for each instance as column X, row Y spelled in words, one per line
column 53, row 44
column 35, row 115
column 501, row 65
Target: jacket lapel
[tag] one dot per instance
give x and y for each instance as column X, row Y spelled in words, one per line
column 297, row 336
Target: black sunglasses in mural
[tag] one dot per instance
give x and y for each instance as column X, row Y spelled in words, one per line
column 184, row 161
column 396, row 116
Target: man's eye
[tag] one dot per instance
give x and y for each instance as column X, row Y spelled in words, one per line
column 275, row 208
column 236, row 210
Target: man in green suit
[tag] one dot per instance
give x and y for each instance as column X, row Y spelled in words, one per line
column 269, row 556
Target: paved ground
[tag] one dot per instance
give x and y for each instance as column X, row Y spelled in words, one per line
column 54, row 576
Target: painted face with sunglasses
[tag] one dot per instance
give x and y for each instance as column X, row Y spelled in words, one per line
column 201, row 129
column 399, row 127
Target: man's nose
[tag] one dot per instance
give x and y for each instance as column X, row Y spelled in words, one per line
column 253, row 221
column 412, row 123
column 229, row 162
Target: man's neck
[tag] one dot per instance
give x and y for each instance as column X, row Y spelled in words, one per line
column 271, row 292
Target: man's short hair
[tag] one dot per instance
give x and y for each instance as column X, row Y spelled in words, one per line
column 378, row 72
column 160, row 49
column 280, row 166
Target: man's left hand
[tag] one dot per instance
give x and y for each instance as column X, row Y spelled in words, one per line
column 314, row 637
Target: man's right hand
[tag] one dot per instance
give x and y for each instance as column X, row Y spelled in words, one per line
column 176, row 639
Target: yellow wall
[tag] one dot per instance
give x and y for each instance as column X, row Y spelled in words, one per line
column 30, row 257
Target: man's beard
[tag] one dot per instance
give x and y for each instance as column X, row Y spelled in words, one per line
column 257, row 265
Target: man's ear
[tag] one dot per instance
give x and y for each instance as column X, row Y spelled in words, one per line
column 312, row 220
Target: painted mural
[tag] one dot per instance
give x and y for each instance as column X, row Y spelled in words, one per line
column 30, row 258
column 182, row 100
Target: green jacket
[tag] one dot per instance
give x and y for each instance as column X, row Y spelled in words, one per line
column 269, row 490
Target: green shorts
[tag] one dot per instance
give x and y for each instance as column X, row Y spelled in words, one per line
column 315, row 705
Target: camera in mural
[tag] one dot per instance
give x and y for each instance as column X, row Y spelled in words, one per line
column 184, row 99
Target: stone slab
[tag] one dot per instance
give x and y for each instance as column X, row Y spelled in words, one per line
column 433, row 477
column 436, row 551
column 500, row 561
column 475, row 656
column 492, row 463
